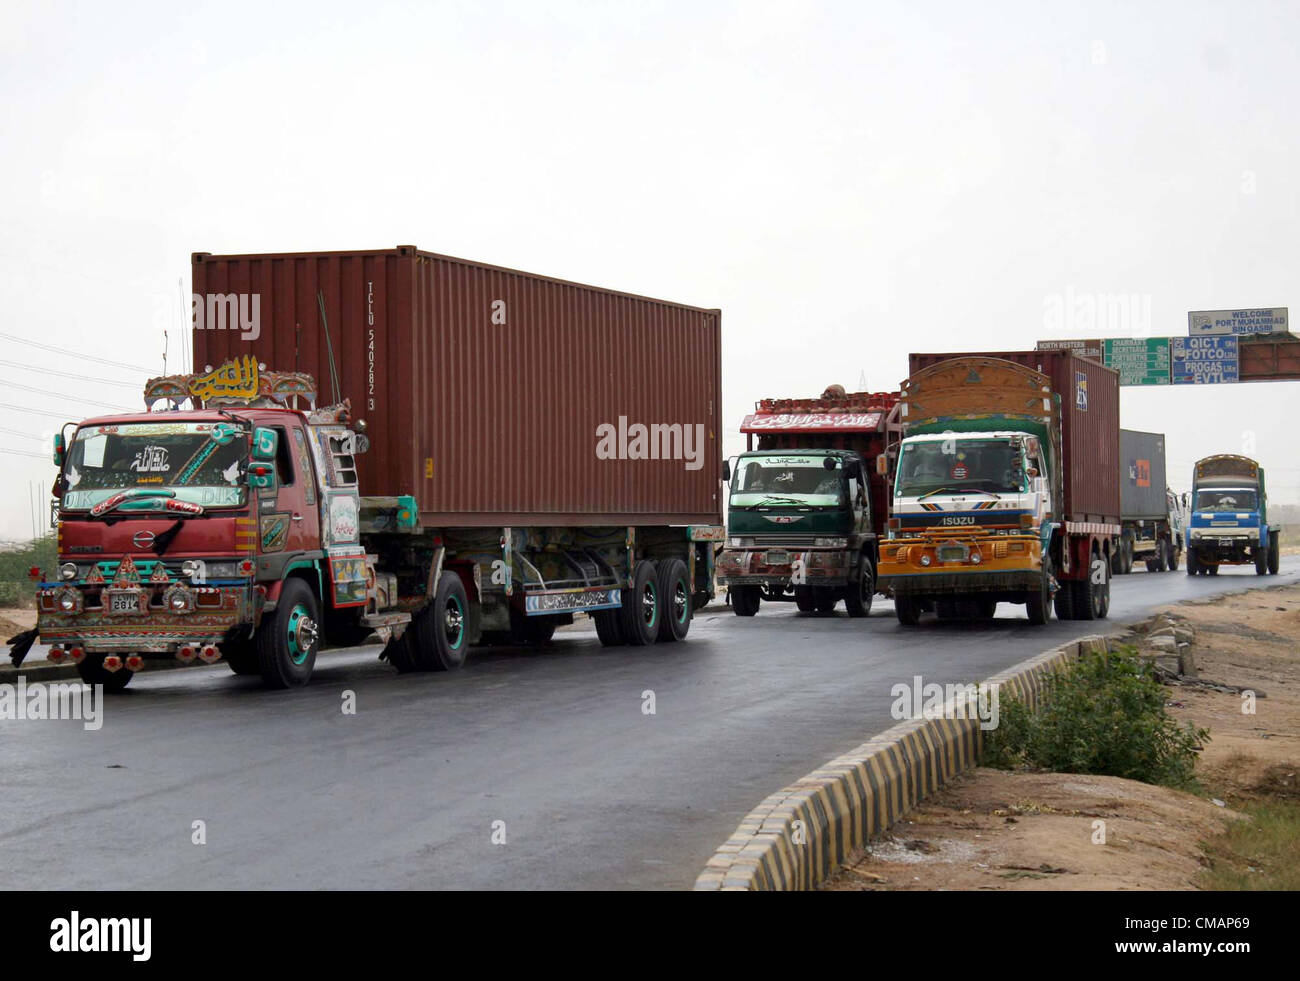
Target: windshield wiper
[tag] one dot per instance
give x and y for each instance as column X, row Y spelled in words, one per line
column 959, row 490
column 777, row 498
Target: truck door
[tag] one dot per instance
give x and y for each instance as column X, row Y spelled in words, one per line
column 293, row 523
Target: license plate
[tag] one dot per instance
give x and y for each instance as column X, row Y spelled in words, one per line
column 123, row 603
column 778, row 558
column 951, row 553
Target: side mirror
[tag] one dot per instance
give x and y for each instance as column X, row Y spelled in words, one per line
column 60, row 450
column 852, row 469
column 1032, row 472
column 882, row 465
column 265, row 443
column 829, row 462
column 726, row 471
column 261, row 475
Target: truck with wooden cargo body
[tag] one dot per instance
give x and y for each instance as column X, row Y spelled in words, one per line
column 806, row 508
column 1229, row 518
column 1151, row 514
column 1005, row 487
column 500, row 451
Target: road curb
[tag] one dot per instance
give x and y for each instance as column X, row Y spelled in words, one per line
column 797, row 837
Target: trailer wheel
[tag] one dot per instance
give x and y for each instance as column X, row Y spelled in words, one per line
column 1274, row 554
column 609, row 627
column 439, row 636
column 745, row 600
column 1213, row 570
column 1038, row 605
column 1092, row 599
column 1173, row 556
column 288, row 639
column 859, row 593
column 92, row 671
column 675, row 599
column 803, row 599
column 908, row 610
column 642, row 608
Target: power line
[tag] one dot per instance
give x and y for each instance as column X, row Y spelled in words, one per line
column 73, row 354
column 16, row 432
column 65, row 374
column 60, row 395
column 52, row 415
column 35, row 456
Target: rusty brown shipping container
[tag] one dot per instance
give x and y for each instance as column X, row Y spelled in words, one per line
column 1089, row 394
column 483, row 388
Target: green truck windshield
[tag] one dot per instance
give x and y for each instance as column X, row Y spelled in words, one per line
column 202, row 462
column 787, row 479
column 958, row 465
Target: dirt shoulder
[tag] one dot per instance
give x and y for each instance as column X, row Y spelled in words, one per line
column 997, row 830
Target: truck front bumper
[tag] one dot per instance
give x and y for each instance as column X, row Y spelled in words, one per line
column 164, row 624
column 926, row 566
column 782, row 566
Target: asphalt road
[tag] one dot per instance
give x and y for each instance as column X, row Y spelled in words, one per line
column 593, row 792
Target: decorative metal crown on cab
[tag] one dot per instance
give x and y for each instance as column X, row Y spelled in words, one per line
column 237, row 382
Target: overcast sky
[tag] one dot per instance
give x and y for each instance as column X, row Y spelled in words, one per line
column 848, row 182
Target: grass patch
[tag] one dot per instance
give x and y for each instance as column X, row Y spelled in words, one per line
column 1104, row 715
column 1262, row 853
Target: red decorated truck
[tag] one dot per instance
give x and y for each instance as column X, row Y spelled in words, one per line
column 500, row 451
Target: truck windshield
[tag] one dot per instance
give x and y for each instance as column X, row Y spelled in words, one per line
column 1225, row 499
column 789, row 480
column 959, row 465
column 200, row 462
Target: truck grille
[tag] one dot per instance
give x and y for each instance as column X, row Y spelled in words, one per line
column 783, row 541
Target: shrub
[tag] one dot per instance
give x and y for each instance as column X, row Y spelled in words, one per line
column 1104, row 715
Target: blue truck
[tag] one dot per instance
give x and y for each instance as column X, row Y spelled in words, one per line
column 1229, row 517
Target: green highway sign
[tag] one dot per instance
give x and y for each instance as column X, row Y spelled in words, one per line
column 1139, row 360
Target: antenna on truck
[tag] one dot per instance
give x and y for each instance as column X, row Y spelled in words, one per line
column 329, row 348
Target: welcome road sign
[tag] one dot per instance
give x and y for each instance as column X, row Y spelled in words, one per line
column 1211, row 322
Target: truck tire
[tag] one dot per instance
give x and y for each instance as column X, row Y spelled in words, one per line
column 1193, row 563
column 908, row 610
column 803, row 599
column 675, row 600
column 1274, row 554
column 1038, row 605
column 1261, row 561
column 1092, row 599
column 825, row 604
column 92, row 671
column 860, row 591
column 609, row 627
column 642, row 608
column 1063, row 601
column 1172, row 556
column 289, row 637
column 745, row 600
column 439, row 635
column 1213, row 570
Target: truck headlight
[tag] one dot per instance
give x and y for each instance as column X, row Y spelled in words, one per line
column 68, row 570
column 925, row 560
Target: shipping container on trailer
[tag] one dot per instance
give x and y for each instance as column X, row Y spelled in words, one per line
column 1152, row 524
column 435, row 452
column 483, row 388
